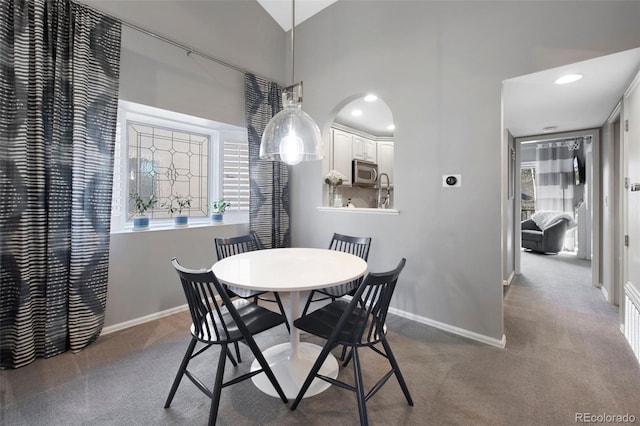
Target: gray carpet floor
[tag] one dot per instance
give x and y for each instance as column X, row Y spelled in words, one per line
column 565, row 355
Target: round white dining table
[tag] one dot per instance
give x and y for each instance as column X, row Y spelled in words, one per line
column 291, row 270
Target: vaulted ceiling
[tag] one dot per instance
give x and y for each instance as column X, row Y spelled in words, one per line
column 532, row 103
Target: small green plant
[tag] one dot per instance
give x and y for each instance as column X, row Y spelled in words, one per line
column 220, row 206
column 181, row 202
column 143, row 205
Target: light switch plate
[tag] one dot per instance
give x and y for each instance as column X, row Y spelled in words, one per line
column 451, row 181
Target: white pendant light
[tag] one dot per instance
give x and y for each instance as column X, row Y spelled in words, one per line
column 291, row 135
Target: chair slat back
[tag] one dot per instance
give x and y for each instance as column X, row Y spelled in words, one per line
column 206, row 297
column 370, row 303
column 358, row 246
column 226, row 247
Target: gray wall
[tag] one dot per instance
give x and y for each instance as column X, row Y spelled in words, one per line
column 440, row 66
column 141, row 280
column 155, row 73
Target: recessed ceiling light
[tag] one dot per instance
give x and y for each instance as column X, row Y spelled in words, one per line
column 569, row 78
column 370, row 98
column 356, row 112
column 391, row 127
column 549, row 128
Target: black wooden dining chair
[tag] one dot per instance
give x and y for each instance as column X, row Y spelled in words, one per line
column 358, row 246
column 226, row 247
column 217, row 321
column 357, row 324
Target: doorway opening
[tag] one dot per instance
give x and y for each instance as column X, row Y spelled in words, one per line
column 555, row 183
column 554, row 197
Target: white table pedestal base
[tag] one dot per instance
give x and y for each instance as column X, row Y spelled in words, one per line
column 292, row 371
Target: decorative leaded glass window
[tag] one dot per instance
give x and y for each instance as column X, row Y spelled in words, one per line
column 168, row 163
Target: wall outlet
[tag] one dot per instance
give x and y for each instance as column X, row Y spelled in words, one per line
column 451, row 181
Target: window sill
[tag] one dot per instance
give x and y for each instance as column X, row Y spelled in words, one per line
column 166, row 225
column 359, row 210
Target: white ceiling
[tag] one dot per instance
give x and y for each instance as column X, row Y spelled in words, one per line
column 530, row 102
column 376, row 117
column 280, row 10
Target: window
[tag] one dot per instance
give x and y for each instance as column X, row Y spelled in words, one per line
column 170, row 155
column 168, row 163
column 528, row 189
column 235, row 183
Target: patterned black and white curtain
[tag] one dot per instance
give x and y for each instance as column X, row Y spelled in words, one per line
column 59, row 68
column 554, row 177
column 269, row 180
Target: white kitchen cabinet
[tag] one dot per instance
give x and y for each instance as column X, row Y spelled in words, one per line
column 342, row 152
column 364, row 149
column 371, row 151
column 385, row 158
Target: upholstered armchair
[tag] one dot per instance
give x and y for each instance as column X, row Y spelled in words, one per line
column 545, row 231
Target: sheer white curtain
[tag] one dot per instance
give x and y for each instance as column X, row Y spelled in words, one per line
column 555, row 181
column 554, row 177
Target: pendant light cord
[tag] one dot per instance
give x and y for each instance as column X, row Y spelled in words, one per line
column 293, row 31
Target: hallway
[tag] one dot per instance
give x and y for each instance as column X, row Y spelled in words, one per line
column 569, row 336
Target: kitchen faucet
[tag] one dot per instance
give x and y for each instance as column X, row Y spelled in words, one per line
column 383, row 201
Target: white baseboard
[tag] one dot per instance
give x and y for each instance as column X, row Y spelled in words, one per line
column 605, row 293
column 510, row 279
column 423, row 320
column 500, row 343
column 142, row 320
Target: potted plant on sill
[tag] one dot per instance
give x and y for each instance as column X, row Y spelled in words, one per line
column 141, row 220
column 182, row 203
column 218, row 208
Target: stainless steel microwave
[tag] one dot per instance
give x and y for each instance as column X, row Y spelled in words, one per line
column 365, row 173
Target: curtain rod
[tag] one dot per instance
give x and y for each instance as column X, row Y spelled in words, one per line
column 182, row 46
column 586, row 139
column 189, row 49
